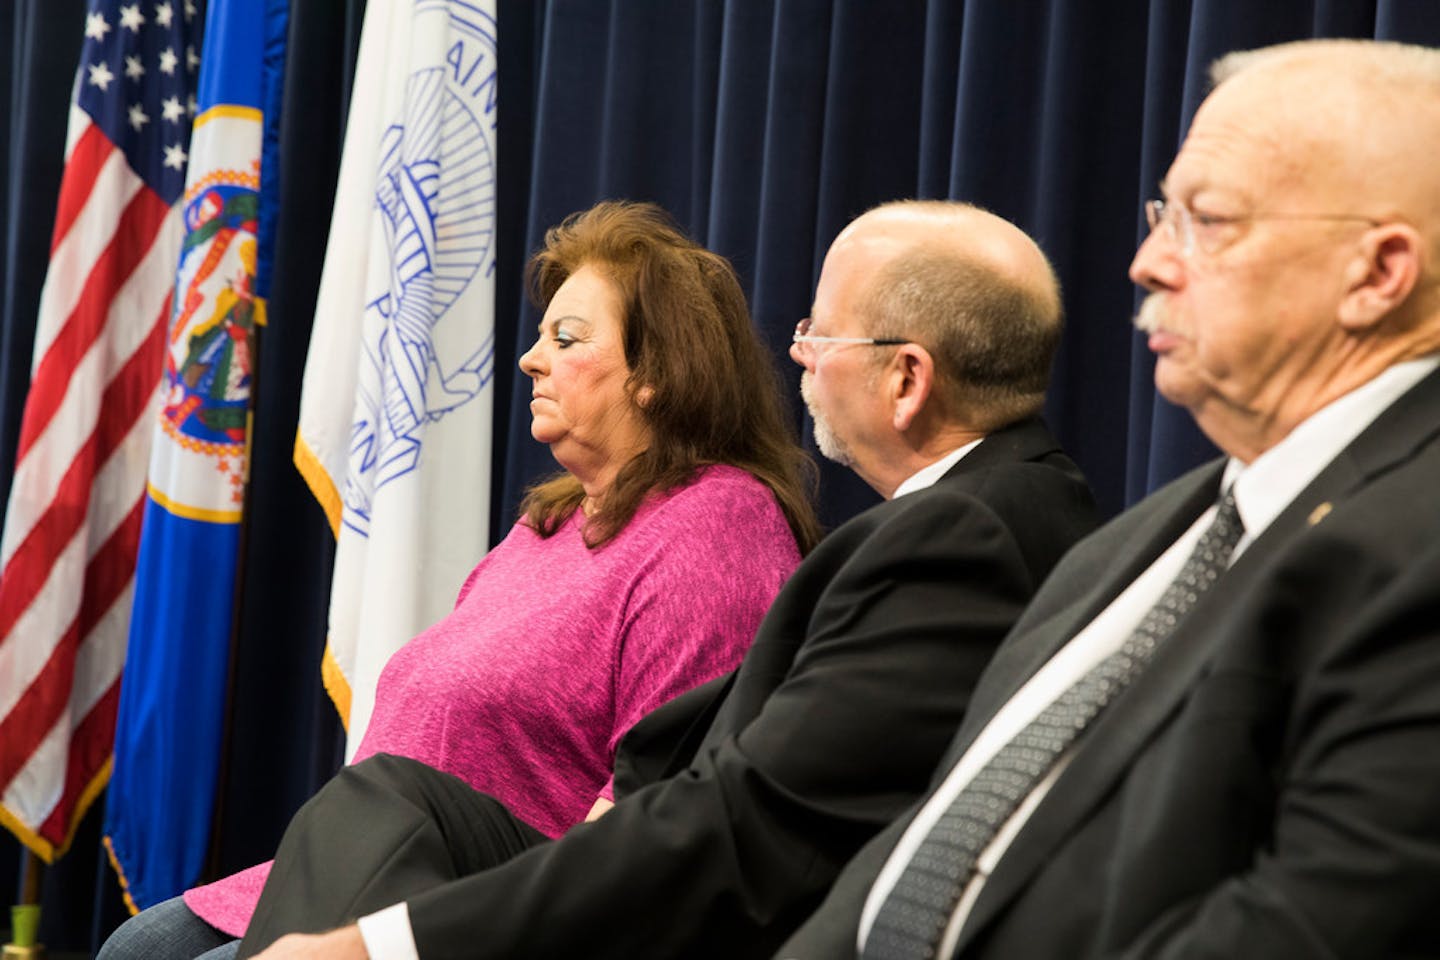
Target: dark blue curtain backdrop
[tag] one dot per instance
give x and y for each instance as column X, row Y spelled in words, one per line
column 764, row 127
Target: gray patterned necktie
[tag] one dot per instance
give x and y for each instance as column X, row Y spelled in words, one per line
column 912, row 919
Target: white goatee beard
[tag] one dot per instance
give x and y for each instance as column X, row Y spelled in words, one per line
column 831, row 447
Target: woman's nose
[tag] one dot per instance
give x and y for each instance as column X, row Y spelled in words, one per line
column 530, row 360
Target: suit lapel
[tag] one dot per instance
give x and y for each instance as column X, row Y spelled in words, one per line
column 1107, row 751
column 1094, row 582
column 786, row 626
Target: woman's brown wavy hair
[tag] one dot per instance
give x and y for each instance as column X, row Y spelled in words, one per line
column 688, row 337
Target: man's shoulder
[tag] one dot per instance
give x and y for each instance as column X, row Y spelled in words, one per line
column 1020, row 466
column 1031, row 503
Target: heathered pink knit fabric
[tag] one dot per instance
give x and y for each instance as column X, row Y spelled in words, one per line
column 554, row 650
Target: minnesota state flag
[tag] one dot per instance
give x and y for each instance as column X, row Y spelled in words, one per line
column 173, row 693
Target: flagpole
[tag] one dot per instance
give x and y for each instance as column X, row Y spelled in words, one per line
column 25, row 915
column 213, row 870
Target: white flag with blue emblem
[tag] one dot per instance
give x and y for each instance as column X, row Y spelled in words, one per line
column 395, row 416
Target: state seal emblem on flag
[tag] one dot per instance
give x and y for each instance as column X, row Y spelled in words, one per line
column 208, row 370
column 422, row 358
column 209, row 356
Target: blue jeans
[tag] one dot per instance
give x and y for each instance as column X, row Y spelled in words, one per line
column 168, row 931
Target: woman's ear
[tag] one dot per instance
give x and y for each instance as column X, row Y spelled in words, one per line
column 643, row 396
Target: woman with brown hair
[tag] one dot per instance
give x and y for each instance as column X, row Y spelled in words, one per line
column 639, row 571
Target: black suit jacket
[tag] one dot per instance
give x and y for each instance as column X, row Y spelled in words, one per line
column 738, row 810
column 1270, row 786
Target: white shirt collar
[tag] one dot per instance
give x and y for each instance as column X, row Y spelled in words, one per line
column 927, row 475
column 1274, row 479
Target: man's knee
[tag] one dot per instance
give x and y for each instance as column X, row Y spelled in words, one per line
column 417, row 783
column 395, row 794
column 386, row 770
column 380, row 781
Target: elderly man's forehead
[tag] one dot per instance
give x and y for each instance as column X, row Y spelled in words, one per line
column 1329, row 96
column 1367, row 139
column 1274, row 100
column 1272, row 128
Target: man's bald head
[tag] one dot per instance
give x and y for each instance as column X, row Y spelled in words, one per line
column 975, row 291
column 1362, row 121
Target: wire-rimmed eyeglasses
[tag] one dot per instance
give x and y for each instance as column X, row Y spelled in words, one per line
column 805, row 341
column 1207, row 232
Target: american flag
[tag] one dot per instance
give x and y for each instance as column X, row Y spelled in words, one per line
column 68, row 553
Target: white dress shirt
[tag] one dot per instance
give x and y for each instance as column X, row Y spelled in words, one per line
column 387, row 934
column 926, row 476
column 1263, row 489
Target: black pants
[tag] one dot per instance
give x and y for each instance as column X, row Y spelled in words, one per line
column 382, row 830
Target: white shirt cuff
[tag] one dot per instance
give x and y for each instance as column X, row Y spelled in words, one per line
column 387, row 934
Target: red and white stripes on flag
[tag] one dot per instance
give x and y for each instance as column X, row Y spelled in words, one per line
column 73, row 524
